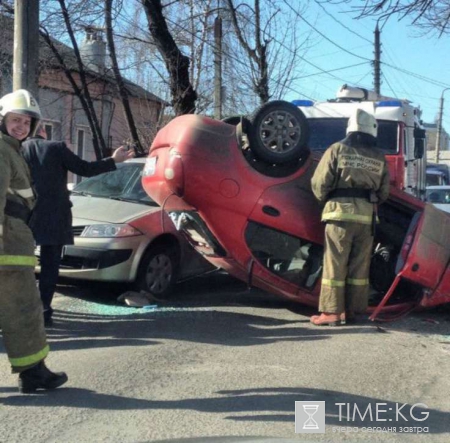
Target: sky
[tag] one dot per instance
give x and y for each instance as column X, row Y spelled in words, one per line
column 421, row 63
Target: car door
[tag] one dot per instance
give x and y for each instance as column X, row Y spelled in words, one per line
column 424, row 259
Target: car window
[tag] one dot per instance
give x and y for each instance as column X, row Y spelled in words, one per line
column 292, row 258
column 438, row 195
column 326, row 131
column 124, row 184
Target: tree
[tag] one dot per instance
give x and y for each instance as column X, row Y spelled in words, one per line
column 82, row 90
column 268, row 35
column 119, row 79
column 177, row 64
column 430, row 15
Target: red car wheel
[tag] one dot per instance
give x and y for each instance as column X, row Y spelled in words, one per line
column 278, row 132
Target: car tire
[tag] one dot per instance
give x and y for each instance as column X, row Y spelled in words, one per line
column 278, row 132
column 158, row 271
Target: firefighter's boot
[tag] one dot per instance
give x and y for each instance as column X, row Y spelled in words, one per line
column 326, row 319
column 40, row 377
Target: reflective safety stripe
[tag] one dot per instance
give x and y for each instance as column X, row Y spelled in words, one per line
column 333, row 283
column 358, row 281
column 18, row 260
column 1, row 229
column 365, row 219
column 30, row 359
column 25, row 193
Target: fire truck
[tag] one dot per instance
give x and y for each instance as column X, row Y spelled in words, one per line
column 401, row 135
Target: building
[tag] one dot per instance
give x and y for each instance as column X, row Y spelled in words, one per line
column 444, row 151
column 63, row 115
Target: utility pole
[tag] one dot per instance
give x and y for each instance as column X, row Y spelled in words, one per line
column 376, row 62
column 439, row 127
column 26, row 45
column 218, row 68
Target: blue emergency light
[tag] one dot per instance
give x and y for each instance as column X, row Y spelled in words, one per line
column 389, row 103
column 302, row 102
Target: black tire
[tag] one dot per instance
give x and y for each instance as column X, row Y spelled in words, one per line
column 278, row 133
column 158, row 270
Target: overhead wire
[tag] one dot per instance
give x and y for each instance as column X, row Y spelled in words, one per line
column 342, row 24
column 323, row 35
column 321, row 71
column 418, row 76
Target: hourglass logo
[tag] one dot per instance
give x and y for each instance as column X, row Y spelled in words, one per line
column 309, row 417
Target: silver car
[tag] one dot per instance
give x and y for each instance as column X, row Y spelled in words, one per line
column 439, row 196
column 121, row 235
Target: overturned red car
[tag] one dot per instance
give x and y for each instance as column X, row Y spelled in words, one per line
column 257, row 218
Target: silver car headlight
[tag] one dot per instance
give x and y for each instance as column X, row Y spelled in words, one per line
column 110, row 230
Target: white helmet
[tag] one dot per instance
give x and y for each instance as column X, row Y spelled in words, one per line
column 362, row 121
column 21, row 102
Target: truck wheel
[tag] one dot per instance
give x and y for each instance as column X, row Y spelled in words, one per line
column 278, row 132
column 158, row 270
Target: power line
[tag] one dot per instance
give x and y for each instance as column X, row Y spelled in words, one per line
column 342, row 24
column 322, row 71
column 332, row 70
column 419, row 76
column 323, row 35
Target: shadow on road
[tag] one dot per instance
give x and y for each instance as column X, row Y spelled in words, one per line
column 265, row 404
column 221, row 290
column 82, row 330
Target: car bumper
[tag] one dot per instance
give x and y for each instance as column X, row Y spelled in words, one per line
column 102, row 259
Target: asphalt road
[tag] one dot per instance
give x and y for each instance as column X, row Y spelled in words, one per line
column 218, row 360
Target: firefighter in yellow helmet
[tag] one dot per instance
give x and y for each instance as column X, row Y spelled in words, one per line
column 351, row 179
column 21, row 318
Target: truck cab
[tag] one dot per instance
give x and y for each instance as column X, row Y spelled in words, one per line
column 400, row 132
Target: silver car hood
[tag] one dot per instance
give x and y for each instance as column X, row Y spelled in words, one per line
column 87, row 209
column 443, row 206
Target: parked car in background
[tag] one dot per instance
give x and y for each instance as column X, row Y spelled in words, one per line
column 242, row 196
column 439, row 196
column 122, row 235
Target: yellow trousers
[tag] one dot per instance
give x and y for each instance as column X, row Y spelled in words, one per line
column 346, row 265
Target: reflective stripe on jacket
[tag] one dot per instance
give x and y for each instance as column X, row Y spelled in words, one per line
column 17, row 243
column 344, row 167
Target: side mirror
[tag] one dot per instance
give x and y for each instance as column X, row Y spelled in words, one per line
column 419, row 143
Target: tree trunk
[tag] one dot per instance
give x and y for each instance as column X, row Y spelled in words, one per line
column 182, row 91
column 119, row 80
column 92, row 116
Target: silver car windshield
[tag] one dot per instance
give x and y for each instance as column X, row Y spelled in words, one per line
column 438, row 195
column 122, row 184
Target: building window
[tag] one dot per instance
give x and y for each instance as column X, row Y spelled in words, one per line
column 80, row 143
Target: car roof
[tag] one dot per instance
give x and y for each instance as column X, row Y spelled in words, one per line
column 439, row 187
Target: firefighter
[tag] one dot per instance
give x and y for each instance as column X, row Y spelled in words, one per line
column 20, row 305
column 351, row 179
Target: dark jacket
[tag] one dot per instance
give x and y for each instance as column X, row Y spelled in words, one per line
column 49, row 162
